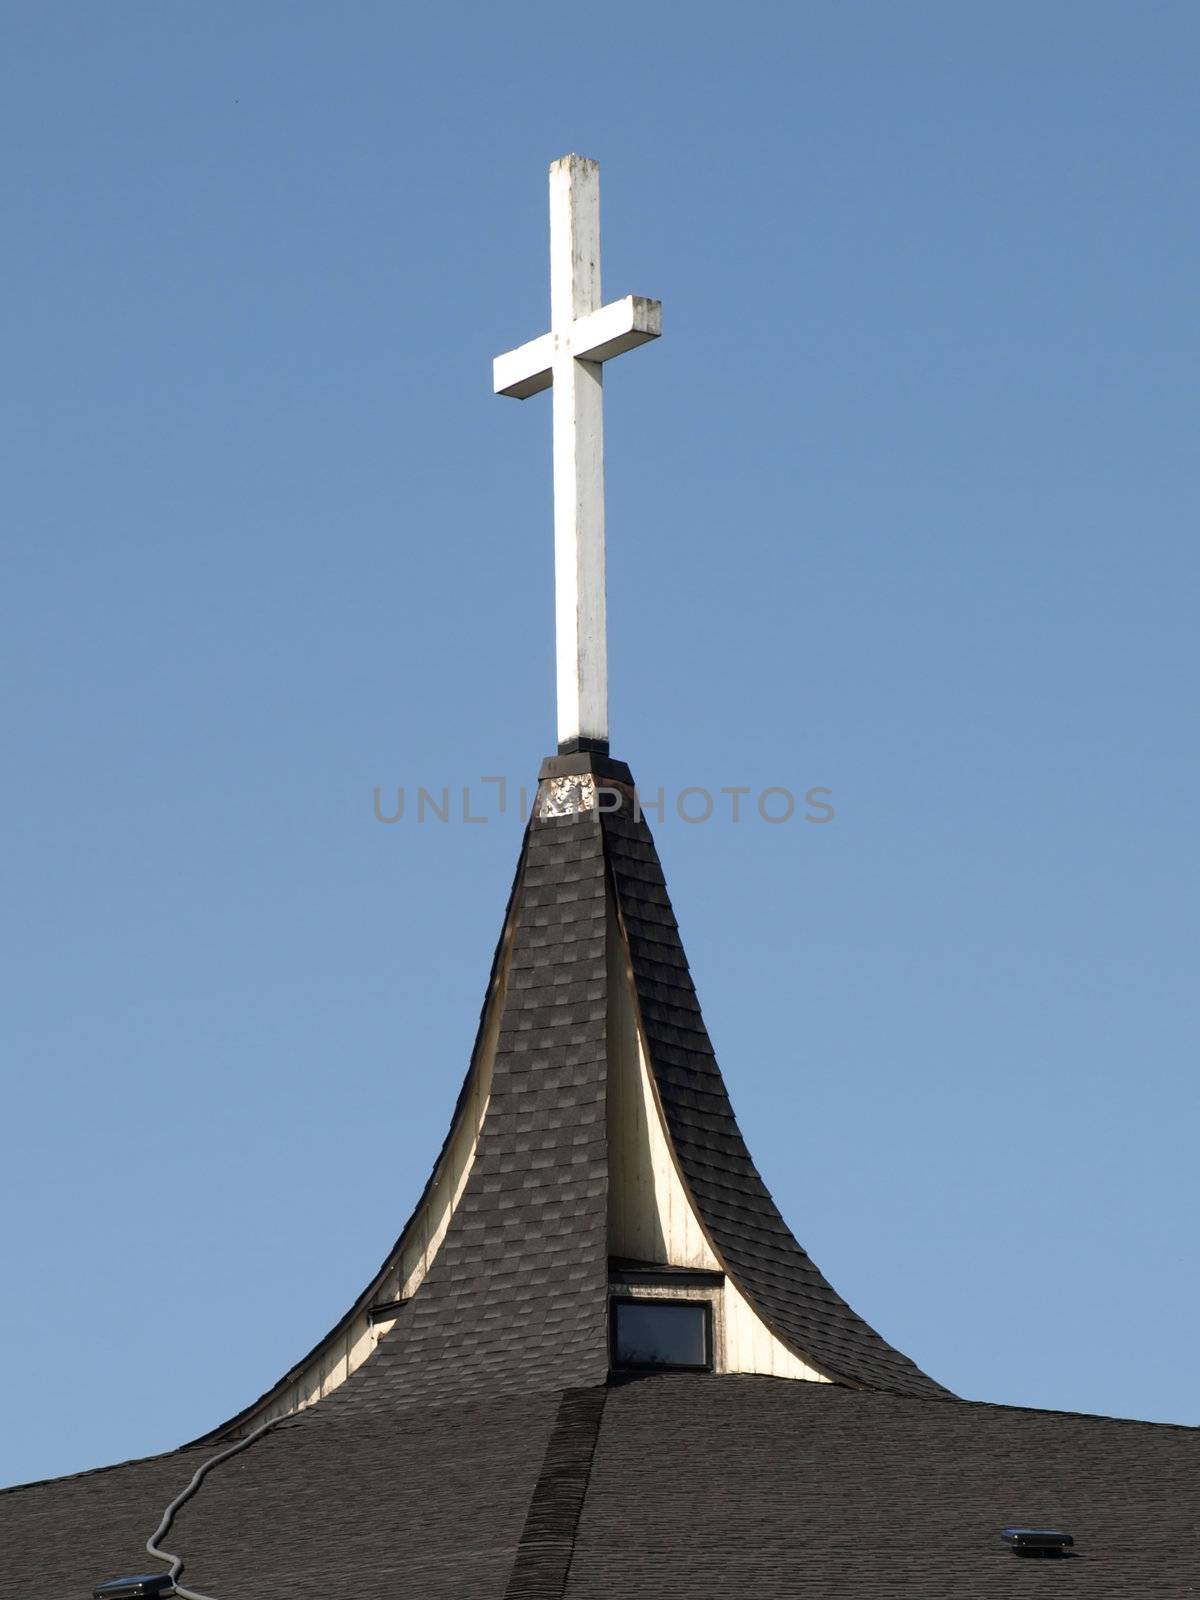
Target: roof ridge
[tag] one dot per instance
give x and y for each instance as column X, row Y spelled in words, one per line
column 109, row 1466
column 957, row 1400
column 1086, row 1416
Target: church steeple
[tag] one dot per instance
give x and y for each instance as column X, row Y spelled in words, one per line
column 594, row 1160
column 594, row 1179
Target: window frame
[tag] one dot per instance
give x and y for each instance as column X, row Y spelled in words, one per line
column 616, row 1301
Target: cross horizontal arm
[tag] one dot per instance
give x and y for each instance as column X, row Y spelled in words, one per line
column 619, row 326
column 526, row 370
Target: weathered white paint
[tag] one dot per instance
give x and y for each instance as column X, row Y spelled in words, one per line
column 349, row 1345
column 651, row 1217
column 424, row 1237
column 750, row 1346
column 583, row 334
column 619, row 326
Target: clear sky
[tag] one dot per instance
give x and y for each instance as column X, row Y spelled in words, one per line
column 903, row 504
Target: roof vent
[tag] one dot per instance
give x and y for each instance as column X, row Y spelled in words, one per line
column 151, row 1583
column 1037, row 1541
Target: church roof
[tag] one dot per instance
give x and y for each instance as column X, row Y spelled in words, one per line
column 662, row 1486
column 485, row 1446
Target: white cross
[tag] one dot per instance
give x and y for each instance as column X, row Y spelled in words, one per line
column 583, row 334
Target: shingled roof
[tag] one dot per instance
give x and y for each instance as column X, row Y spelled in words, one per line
column 484, row 1445
column 664, row 1486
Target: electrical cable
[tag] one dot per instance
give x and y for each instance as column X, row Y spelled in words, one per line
column 181, row 1499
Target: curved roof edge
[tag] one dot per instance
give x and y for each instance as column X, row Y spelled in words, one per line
column 392, row 1259
column 760, row 1253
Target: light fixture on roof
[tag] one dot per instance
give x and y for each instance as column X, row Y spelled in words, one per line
column 148, row 1583
column 1037, row 1541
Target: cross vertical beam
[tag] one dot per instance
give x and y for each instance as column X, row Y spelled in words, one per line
column 584, row 334
column 580, row 616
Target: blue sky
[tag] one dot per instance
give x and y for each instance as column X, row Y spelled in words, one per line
column 903, row 504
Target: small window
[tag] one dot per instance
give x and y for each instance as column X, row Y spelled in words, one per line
column 661, row 1333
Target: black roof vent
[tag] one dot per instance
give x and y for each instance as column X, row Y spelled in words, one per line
column 150, row 1583
column 1037, row 1541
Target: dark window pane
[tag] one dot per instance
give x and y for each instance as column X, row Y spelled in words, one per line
column 661, row 1333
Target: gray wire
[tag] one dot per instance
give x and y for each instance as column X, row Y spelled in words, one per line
column 182, row 1498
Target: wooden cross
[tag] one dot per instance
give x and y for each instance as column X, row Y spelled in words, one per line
column 583, row 334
